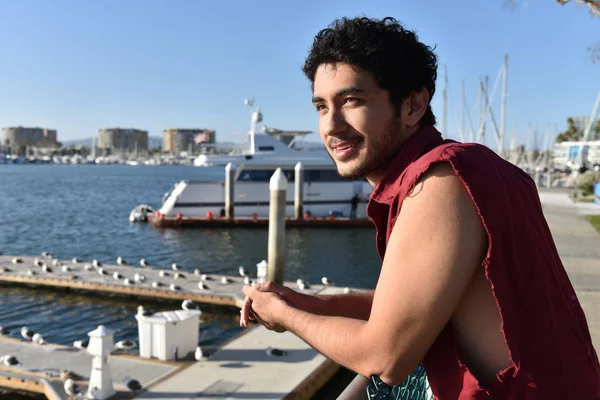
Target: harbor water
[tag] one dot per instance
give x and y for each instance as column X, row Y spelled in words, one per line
column 82, row 211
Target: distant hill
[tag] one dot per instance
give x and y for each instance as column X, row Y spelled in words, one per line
column 153, row 142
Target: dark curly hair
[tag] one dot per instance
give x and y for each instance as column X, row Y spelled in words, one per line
column 393, row 55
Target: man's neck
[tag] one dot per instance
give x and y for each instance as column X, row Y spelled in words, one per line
column 375, row 177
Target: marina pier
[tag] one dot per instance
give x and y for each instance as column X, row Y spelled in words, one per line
column 259, row 363
column 136, row 282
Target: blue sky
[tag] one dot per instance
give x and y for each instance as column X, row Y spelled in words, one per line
column 77, row 66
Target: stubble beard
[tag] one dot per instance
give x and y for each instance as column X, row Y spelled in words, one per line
column 381, row 152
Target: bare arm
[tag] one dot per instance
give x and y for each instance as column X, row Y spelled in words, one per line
column 349, row 305
column 436, row 246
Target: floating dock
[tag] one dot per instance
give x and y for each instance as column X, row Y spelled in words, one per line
column 249, row 222
column 241, row 368
column 44, row 368
column 120, row 280
column 244, row 367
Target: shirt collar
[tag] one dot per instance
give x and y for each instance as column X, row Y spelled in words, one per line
column 422, row 140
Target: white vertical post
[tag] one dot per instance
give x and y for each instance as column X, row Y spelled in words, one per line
column 229, row 190
column 276, row 259
column 298, row 190
column 100, row 346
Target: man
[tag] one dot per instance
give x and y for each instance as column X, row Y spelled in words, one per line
column 471, row 284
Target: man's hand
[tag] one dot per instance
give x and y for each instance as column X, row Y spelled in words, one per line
column 292, row 297
column 265, row 304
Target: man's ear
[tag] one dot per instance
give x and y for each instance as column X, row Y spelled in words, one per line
column 414, row 107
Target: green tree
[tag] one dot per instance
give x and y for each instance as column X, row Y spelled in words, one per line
column 573, row 133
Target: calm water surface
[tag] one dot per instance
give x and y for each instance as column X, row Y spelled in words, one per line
column 82, row 210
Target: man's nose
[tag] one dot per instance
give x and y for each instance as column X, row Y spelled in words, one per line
column 333, row 123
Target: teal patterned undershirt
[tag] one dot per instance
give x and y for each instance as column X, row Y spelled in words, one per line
column 415, row 387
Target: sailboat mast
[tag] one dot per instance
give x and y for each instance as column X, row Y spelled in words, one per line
column 503, row 109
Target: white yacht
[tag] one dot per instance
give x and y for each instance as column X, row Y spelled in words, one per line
column 325, row 193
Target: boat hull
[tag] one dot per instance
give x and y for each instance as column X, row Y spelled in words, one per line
column 198, row 199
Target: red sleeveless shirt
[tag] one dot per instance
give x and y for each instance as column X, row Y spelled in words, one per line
column 543, row 323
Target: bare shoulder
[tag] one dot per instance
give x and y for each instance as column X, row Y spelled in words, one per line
column 440, row 175
column 440, row 193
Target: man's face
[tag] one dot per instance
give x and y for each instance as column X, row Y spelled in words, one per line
column 359, row 126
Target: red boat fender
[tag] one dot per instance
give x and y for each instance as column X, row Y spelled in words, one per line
column 209, row 215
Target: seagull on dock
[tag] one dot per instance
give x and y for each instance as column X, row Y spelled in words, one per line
column 202, row 286
column 88, row 267
column 9, row 360
column 55, row 262
column 127, row 281
column 3, row 270
column 4, row 331
column 38, row 339
column 162, row 273
column 175, row 267
column 326, row 281
column 117, row 276
column 197, row 272
column 46, row 254
column 17, row 260
column 101, row 271
column 225, row 280
column 125, row 344
column 178, row 276
column 37, row 262
column 144, row 263
column 156, row 284
column 96, row 263
column 141, row 310
column 242, row 271
column 27, row 333
column 246, row 280
column 301, row 284
column 139, row 277
column 120, row 261
column 71, row 388
column 46, row 268
column 133, row 385
column 198, row 354
column 66, row 268
column 174, row 287
column 189, row 305
column 31, row 272
column 205, row 277
column 81, row 344
column 75, row 260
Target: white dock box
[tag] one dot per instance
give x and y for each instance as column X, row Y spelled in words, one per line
column 163, row 332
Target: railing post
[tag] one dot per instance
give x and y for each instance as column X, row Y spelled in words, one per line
column 229, row 191
column 276, row 259
column 298, row 190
